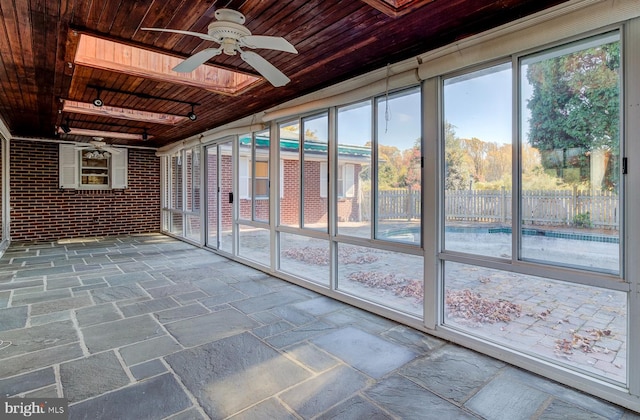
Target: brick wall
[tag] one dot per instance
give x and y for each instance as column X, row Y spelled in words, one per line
column 40, row 210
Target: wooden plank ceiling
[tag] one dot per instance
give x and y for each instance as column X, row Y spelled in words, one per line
column 336, row 40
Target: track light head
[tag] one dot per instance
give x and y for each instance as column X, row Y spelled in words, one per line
column 98, row 101
column 145, row 136
column 65, row 127
column 192, row 115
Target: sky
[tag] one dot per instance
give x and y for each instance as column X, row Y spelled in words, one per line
column 478, row 104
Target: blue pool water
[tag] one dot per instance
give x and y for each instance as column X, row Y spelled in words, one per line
column 591, row 237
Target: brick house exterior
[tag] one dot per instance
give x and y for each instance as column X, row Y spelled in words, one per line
column 41, row 210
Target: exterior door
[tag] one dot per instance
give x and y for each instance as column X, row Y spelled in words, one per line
column 220, row 196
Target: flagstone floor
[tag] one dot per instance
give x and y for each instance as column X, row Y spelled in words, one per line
column 148, row 327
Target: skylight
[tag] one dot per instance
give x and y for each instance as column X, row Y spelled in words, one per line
column 104, row 54
column 121, row 113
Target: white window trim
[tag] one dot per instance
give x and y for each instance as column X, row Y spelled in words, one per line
column 69, row 170
column 347, row 170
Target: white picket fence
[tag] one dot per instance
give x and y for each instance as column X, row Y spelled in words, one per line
column 555, row 207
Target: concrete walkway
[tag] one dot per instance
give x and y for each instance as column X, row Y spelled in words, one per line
column 147, row 327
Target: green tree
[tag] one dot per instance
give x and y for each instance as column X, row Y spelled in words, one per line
column 575, row 105
column 457, row 173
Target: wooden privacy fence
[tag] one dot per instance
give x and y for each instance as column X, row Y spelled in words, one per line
column 598, row 209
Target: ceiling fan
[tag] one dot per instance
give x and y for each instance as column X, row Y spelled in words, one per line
column 98, row 143
column 233, row 36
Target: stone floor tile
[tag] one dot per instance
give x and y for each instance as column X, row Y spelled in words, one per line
column 452, row 371
column 63, row 282
column 27, row 382
column 355, row 408
column 417, row 341
column 320, row 393
column 4, row 299
column 128, row 278
column 269, row 409
column 300, row 334
column 320, row 305
column 174, row 289
column 190, row 414
column 15, row 285
column 199, row 330
column 193, row 275
column 36, row 338
column 561, row 392
column 39, row 359
column 190, row 297
column 50, row 391
column 26, row 291
column 110, row 294
column 366, row 352
column 44, row 271
column 224, row 383
column 119, row 333
column 153, row 305
column 149, row 349
column 559, row 410
column 148, row 369
column 11, row 318
column 265, row 317
column 182, row 312
column 40, row 297
column 252, row 289
column 217, row 300
column 406, row 399
column 91, row 376
column 60, row 305
column 272, row 329
column 154, row 398
column 502, row 399
column 97, row 314
column 311, row 356
column 268, row 301
column 48, row 318
column 294, row 315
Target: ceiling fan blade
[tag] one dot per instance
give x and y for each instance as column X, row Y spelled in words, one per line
column 206, row 37
column 191, row 63
column 265, row 68
column 269, row 42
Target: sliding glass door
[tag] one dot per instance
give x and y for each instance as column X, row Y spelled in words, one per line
column 220, row 196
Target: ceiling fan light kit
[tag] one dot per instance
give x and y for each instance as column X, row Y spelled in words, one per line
column 230, row 33
column 98, row 145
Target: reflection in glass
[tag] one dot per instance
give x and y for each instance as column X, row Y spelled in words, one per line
column 399, row 175
column 315, row 156
column 582, row 327
column 254, row 244
column 289, row 138
column 354, row 208
column 571, row 185
column 305, row 257
column 212, row 196
column 374, row 275
column 477, row 162
column 193, row 228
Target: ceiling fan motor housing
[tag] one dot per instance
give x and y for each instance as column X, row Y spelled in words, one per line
column 228, row 34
